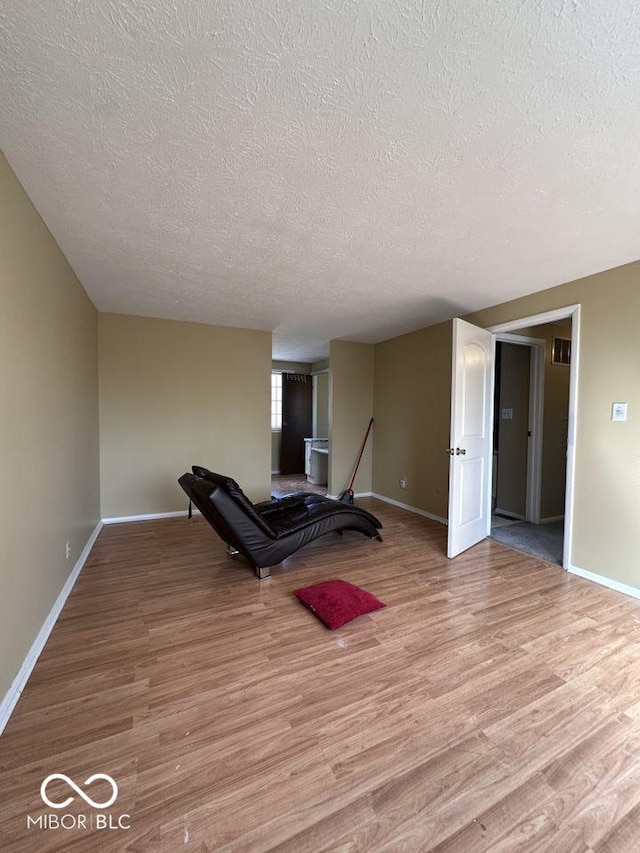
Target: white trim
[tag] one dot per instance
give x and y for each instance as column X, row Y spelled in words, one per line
column 492, row 460
column 573, row 312
column 507, row 512
column 12, row 695
column 571, row 435
column 409, row 508
column 124, row 519
column 537, row 320
column 633, row 591
column 355, row 494
column 523, row 340
column 551, row 518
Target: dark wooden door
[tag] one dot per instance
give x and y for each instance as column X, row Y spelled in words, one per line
column 297, row 408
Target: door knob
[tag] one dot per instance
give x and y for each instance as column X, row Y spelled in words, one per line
column 460, row 451
column 450, row 451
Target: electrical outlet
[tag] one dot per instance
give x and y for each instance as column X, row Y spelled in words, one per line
column 67, row 550
column 403, row 483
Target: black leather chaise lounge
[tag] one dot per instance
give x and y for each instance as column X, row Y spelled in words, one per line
column 265, row 533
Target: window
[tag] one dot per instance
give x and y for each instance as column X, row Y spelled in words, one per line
column 276, row 401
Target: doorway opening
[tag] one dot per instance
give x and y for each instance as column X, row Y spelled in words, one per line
column 535, row 398
column 299, row 414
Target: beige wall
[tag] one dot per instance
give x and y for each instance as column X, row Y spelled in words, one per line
column 412, row 410
column 606, row 538
column 513, row 442
column 350, row 409
column 173, row 394
column 291, row 366
column 276, row 437
column 410, row 431
column 321, row 426
column 49, row 423
column 321, row 405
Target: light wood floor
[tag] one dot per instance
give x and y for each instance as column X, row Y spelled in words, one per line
column 494, row 705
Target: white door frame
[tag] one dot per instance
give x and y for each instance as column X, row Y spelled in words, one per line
column 536, row 414
column 572, row 312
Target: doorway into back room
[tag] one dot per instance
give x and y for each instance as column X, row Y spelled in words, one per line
column 531, row 416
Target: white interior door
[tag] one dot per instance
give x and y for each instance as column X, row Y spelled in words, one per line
column 471, row 431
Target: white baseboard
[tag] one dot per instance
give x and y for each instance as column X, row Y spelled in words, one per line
column 355, row 494
column 507, row 514
column 603, row 581
column 551, row 518
column 12, row 695
column 123, row 519
column 414, row 509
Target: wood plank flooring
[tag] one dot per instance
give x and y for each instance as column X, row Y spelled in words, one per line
column 494, row 705
column 284, row 484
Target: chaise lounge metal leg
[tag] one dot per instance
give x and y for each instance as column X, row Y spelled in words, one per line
column 231, row 551
column 263, row 572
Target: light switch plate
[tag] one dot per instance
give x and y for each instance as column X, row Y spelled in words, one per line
column 618, row 411
column 507, row 414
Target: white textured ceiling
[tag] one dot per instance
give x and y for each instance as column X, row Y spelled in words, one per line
column 325, row 168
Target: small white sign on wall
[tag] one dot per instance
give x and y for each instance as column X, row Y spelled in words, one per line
column 618, row 411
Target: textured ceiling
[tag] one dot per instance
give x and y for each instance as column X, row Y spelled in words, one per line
column 327, row 169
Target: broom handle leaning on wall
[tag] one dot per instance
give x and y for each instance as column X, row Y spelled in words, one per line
column 355, row 470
